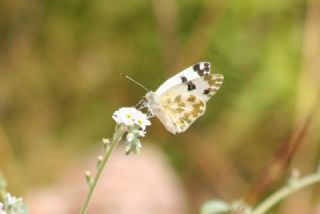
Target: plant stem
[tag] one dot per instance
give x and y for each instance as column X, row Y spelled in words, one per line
column 117, row 136
column 2, row 187
column 286, row 191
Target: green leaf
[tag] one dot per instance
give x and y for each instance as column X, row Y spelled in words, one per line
column 215, row 207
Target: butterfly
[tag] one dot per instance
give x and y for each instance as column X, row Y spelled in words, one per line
column 181, row 100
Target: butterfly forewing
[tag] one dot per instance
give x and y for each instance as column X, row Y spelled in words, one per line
column 203, row 87
column 193, row 72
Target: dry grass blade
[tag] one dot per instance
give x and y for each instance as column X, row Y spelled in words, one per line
column 279, row 164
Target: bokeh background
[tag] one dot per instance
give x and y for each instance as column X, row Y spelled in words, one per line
column 60, row 82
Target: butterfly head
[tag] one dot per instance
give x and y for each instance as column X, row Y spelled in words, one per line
column 151, row 98
column 152, row 102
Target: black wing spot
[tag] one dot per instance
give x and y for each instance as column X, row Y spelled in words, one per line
column 204, row 71
column 206, row 91
column 196, row 67
column 191, row 86
column 184, row 79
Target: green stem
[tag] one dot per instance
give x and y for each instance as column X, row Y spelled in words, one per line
column 286, row 191
column 117, row 136
column 2, row 188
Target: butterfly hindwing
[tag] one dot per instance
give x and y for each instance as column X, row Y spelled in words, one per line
column 182, row 110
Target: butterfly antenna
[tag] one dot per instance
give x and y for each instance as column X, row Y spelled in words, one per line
column 139, row 84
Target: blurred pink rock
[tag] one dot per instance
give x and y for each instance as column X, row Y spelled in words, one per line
column 317, row 209
column 135, row 184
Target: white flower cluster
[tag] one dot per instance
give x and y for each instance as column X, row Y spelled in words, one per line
column 135, row 123
column 130, row 116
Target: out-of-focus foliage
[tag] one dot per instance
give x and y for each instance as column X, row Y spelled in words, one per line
column 60, row 81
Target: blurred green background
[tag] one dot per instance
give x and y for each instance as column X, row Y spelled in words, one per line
column 60, row 82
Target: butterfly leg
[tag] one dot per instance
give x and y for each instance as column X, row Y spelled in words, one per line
column 140, row 105
column 150, row 114
column 143, row 104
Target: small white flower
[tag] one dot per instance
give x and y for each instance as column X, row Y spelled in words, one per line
column 142, row 133
column 130, row 137
column 2, row 211
column 142, row 120
column 125, row 115
column 105, row 141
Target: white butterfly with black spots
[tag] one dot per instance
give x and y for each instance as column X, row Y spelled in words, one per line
column 180, row 100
